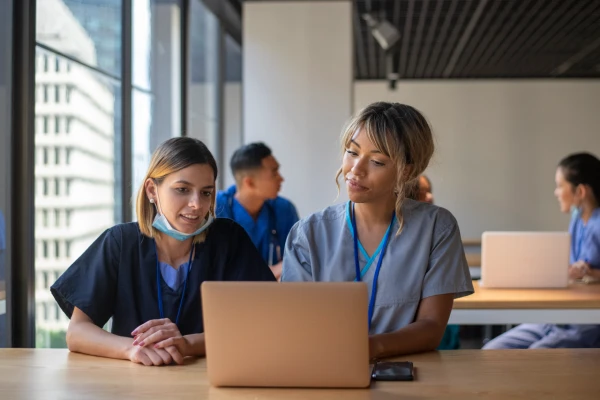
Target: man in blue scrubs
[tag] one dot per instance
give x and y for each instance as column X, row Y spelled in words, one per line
column 253, row 202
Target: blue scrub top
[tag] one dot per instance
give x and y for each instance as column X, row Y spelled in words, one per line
column 279, row 214
column 585, row 239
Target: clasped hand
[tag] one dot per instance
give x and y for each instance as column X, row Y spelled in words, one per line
column 158, row 342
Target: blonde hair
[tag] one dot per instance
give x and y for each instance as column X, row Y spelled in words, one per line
column 171, row 156
column 401, row 133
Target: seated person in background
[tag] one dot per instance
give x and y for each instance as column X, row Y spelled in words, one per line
column 423, row 192
column 577, row 186
column 254, row 204
column 409, row 253
column 146, row 275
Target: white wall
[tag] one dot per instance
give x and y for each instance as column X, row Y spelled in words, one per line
column 297, row 94
column 498, row 143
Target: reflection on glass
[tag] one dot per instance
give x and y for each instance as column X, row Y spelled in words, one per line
column 141, row 149
column 141, row 32
column 232, row 105
column 203, row 85
column 94, row 39
column 156, row 98
column 76, row 133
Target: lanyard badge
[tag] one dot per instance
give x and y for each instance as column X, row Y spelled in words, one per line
column 386, row 240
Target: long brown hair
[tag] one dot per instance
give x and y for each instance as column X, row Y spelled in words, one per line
column 171, row 156
column 400, row 132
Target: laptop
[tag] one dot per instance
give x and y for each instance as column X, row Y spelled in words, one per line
column 302, row 334
column 525, row 259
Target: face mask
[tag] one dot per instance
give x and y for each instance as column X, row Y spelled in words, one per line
column 161, row 223
column 575, row 211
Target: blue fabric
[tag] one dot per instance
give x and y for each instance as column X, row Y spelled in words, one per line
column 280, row 209
column 585, row 239
column 547, row 336
column 173, row 277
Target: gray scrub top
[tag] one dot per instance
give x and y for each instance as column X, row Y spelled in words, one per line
column 426, row 259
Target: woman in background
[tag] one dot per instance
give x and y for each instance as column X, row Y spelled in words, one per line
column 578, row 190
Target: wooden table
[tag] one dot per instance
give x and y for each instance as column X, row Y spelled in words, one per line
column 456, row 374
column 577, row 304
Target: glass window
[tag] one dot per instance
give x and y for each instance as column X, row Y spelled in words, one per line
column 84, row 199
column 56, row 91
column 156, row 97
column 203, row 74
column 5, row 157
column 90, row 31
column 232, row 103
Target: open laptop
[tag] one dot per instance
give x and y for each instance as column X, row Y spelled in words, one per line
column 525, row 259
column 270, row 334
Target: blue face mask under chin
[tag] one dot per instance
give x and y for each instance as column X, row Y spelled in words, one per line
column 161, row 223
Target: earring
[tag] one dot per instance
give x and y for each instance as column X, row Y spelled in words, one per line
column 152, row 201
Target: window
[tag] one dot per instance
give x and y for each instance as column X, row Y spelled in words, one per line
column 45, row 248
column 45, row 151
column 94, row 97
column 45, row 218
column 45, row 62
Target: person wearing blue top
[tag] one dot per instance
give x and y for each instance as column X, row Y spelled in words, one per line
column 409, row 253
column 577, row 189
column 146, row 275
column 253, row 202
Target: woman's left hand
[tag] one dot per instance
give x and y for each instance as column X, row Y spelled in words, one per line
column 162, row 333
column 578, row 270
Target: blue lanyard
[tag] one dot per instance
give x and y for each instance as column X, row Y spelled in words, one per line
column 386, row 240
column 159, row 288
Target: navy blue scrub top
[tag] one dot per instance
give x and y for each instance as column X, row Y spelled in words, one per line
column 116, row 277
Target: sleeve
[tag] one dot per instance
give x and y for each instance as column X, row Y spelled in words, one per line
column 244, row 262
column 296, row 259
column 90, row 284
column 290, row 217
column 591, row 249
column 222, row 209
column 447, row 271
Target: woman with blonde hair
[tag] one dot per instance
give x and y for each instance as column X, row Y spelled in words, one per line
column 146, row 275
column 409, row 253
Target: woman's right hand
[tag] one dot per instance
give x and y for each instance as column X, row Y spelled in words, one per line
column 151, row 356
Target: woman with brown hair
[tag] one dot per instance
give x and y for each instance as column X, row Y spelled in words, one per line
column 409, row 253
column 146, row 275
